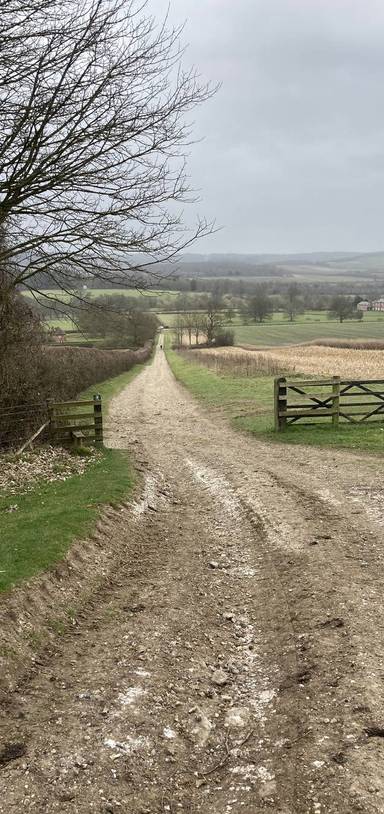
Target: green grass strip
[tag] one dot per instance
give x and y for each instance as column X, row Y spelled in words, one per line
column 47, row 521
column 40, row 531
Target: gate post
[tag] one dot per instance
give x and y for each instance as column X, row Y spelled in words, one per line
column 336, row 401
column 98, row 419
column 280, row 397
column 50, row 411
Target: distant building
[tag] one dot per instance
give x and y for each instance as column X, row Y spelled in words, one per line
column 57, row 335
column 378, row 305
column 364, row 305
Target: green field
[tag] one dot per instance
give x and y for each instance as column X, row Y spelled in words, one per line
column 40, row 531
column 56, row 293
column 167, row 318
column 48, row 296
column 64, row 324
column 307, row 327
column 248, row 404
column 306, row 330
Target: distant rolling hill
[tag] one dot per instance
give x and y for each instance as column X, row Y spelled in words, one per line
column 307, row 265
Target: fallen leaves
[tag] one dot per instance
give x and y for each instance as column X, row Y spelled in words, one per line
column 47, row 464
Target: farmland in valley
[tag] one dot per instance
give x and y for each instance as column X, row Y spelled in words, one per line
column 274, row 331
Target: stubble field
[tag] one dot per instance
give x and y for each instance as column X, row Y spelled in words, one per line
column 308, row 359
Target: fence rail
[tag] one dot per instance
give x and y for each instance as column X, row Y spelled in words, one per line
column 66, row 423
column 18, row 422
column 353, row 400
column 69, row 423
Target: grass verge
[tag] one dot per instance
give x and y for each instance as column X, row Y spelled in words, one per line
column 248, row 404
column 40, row 530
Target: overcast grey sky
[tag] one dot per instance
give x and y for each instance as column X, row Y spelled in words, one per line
column 293, row 150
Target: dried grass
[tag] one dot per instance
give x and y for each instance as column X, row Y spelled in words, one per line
column 319, row 359
column 353, row 344
column 234, row 362
column 310, row 359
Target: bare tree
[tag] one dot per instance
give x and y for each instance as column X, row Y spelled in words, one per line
column 93, row 100
column 189, row 322
column 293, row 303
column 179, row 330
column 260, row 306
column 341, row 307
column 199, row 325
column 213, row 320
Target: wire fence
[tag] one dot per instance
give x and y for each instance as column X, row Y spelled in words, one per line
column 19, row 422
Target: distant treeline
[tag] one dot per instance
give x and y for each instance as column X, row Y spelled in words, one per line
column 315, row 294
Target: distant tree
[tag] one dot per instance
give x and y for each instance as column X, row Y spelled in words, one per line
column 341, row 307
column 229, row 314
column 117, row 319
column 189, row 323
column 293, row 303
column 260, row 306
column 244, row 312
column 182, row 302
column 179, row 329
column 198, row 325
column 143, row 326
column 224, row 337
column 89, row 320
column 213, row 320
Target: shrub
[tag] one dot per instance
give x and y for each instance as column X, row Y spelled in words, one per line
column 31, row 372
column 241, row 363
column 224, row 338
column 55, row 373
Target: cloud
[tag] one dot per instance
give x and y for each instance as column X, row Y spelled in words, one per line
column 293, row 149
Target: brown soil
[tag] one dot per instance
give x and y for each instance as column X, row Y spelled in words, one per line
column 232, row 660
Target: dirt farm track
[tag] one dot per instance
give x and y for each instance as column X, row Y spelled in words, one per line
column 234, row 664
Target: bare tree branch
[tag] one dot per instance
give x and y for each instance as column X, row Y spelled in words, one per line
column 93, row 100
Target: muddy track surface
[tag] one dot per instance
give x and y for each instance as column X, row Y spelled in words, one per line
column 235, row 663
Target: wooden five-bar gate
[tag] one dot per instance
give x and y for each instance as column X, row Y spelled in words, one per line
column 68, row 423
column 353, row 400
column 76, row 422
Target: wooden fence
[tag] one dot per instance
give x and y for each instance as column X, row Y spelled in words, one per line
column 70, row 423
column 76, row 422
column 355, row 400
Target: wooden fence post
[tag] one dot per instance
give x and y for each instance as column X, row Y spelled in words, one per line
column 280, row 403
column 336, row 401
column 98, row 418
column 50, row 412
